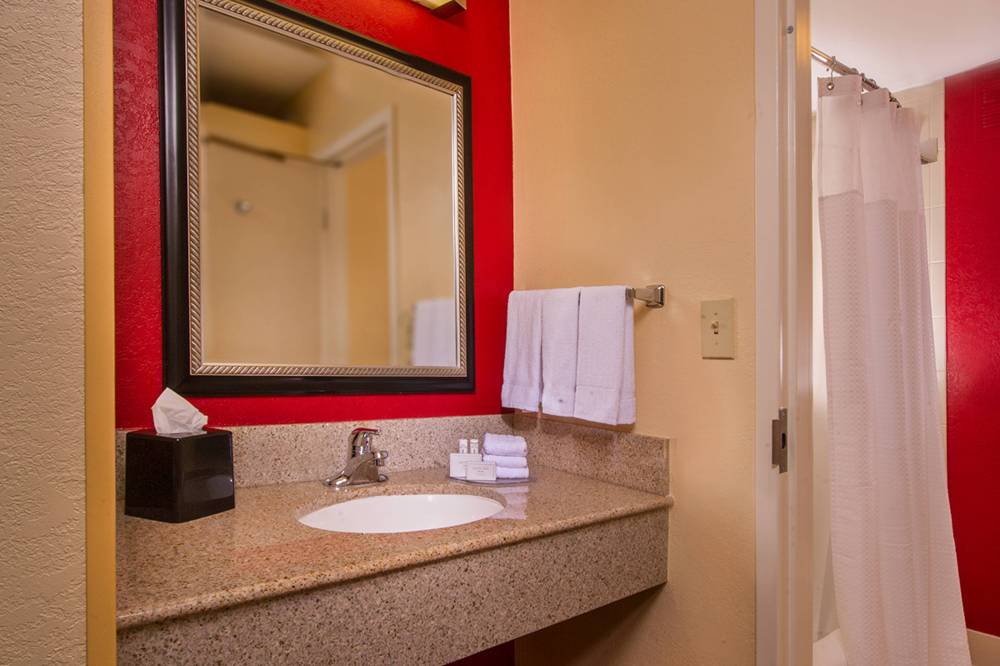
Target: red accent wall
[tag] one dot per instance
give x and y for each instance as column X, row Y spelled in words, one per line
column 476, row 43
column 972, row 186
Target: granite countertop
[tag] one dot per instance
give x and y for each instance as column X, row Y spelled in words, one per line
column 260, row 550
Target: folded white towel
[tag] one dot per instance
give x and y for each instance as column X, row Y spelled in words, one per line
column 560, row 316
column 512, row 472
column 506, row 461
column 605, row 370
column 522, row 363
column 504, row 445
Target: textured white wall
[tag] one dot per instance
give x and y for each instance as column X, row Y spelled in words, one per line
column 42, row 600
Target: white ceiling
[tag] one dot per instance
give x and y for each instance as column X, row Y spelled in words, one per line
column 906, row 43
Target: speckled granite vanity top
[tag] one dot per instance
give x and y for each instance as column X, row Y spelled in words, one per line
column 260, row 550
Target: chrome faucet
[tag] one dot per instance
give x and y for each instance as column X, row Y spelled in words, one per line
column 363, row 467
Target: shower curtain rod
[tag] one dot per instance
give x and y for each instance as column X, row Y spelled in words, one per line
column 928, row 152
column 831, row 63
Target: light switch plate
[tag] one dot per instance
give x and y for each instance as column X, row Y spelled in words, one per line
column 718, row 335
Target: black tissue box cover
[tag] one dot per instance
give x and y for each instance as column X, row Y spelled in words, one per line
column 176, row 478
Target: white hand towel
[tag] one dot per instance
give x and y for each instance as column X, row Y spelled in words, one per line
column 504, row 445
column 512, row 472
column 522, row 363
column 626, row 402
column 506, row 461
column 433, row 340
column 560, row 316
column 605, row 370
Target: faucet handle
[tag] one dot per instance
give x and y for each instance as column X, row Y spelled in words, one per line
column 365, row 436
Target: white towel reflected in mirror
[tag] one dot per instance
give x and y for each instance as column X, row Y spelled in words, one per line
column 433, row 339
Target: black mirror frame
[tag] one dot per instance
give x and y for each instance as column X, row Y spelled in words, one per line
column 174, row 231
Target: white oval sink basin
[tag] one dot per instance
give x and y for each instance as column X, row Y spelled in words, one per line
column 383, row 514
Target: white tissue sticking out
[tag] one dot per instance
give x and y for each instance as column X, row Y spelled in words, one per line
column 174, row 415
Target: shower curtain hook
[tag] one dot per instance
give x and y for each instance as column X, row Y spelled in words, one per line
column 829, row 68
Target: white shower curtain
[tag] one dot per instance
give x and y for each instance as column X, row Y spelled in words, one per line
column 895, row 573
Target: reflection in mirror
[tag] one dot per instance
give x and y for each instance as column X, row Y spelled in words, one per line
column 328, row 226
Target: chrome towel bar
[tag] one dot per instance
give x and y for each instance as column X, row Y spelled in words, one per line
column 654, row 295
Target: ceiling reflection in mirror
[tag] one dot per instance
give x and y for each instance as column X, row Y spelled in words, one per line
column 328, row 227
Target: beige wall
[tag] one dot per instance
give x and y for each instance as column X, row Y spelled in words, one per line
column 633, row 163
column 367, row 262
column 42, row 598
column 260, row 269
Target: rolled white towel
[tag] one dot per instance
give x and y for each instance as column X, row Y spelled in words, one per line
column 506, row 461
column 504, row 445
column 512, row 472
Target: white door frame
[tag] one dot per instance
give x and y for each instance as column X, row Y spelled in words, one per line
column 783, row 331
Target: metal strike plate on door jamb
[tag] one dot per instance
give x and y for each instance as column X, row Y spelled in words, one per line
column 779, row 441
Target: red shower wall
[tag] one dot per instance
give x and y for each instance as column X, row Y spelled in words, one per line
column 972, row 186
column 475, row 42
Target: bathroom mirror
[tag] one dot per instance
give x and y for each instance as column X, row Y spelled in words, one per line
column 316, row 208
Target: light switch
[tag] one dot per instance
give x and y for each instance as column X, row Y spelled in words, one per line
column 718, row 337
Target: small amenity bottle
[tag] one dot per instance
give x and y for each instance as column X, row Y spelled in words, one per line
column 457, row 461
